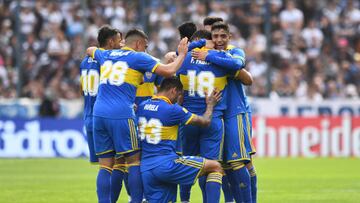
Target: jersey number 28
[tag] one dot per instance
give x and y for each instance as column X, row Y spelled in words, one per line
column 113, row 73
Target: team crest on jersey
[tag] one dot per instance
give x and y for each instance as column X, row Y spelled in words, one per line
column 148, row 75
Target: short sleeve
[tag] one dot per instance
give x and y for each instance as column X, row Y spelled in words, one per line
column 146, row 63
column 181, row 115
column 238, row 54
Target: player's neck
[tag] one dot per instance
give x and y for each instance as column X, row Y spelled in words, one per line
column 163, row 96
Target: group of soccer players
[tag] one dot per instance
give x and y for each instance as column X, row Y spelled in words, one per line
column 200, row 110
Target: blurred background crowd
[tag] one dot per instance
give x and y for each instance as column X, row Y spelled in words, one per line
column 304, row 49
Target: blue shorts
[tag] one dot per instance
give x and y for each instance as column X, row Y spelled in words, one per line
column 90, row 139
column 206, row 142
column 160, row 183
column 115, row 136
column 238, row 144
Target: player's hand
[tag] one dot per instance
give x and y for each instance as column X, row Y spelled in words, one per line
column 200, row 55
column 170, row 57
column 183, row 46
column 214, row 97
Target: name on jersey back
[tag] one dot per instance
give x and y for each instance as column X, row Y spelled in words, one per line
column 196, row 61
column 151, row 107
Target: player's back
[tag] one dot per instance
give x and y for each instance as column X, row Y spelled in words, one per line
column 237, row 101
column 89, row 79
column 158, row 127
column 121, row 73
column 199, row 77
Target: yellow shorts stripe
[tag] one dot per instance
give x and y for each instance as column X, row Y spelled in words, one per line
column 253, row 150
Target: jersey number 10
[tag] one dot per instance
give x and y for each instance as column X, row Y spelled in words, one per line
column 90, row 82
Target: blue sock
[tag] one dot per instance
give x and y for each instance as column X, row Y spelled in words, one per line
column 185, row 193
column 135, row 184
column 241, row 183
column 126, row 178
column 213, row 187
column 228, row 196
column 117, row 177
column 253, row 184
column 103, row 184
column 202, row 184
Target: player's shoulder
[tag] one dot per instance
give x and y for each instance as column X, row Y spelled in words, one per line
column 88, row 62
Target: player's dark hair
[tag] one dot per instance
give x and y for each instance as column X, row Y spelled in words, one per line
column 187, row 29
column 137, row 33
column 201, row 34
column 169, row 83
column 210, row 20
column 105, row 33
column 220, row 25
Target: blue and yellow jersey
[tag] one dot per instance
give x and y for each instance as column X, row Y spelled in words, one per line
column 159, row 122
column 146, row 90
column 237, row 101
column 120, row 74
column 199, row 77
column 89, row 81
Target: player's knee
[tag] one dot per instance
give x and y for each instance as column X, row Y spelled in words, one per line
column 133, row 158
column 108, row 162
column 212, row 166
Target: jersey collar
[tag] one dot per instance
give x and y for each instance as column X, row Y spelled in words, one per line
column 167, row 100
column 127, row 48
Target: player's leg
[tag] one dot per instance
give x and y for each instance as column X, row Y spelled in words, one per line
column 251, row 150
column 236, row 155
column 228, row 195
column 156, row 190
column 127, row 144
column 190, row 147
column 211, row 145
column 105, row 151
column 117, row 177
column 90, row 139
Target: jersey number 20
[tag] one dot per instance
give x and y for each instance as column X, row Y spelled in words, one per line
column 150, row 130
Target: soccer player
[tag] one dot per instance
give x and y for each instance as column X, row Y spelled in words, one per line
column 208, row 22
column 238, row 146
column 162, row 169
column 108, row 38
column 199, row 76
column 114, row 118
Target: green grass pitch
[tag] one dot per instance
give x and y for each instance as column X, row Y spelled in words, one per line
column 279, row 180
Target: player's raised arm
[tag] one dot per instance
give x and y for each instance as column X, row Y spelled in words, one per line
column 205, row 119
column 244, row 76
column 168, row 70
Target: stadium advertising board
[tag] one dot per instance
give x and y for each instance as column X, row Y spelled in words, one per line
column 42, row 138
column 273, row 137
column 305, row 108
column 307, row 137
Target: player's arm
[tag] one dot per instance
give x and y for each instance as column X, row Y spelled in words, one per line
column 244, row 76
column 236, row 61
column 91, row 51
column 168, row 70
column 205, row 119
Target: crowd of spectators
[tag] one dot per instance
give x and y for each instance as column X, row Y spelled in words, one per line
column 314, row 52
